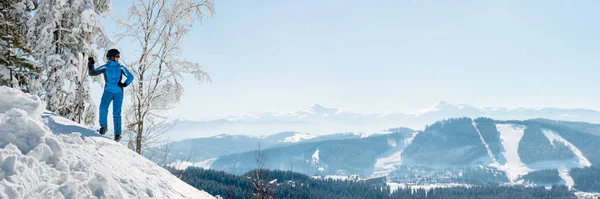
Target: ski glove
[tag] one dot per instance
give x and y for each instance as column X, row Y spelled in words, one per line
column 91, row 70
column 122, row 85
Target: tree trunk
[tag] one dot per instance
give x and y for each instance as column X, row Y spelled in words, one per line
column 140, row 130
column 138, row 139
column 11, row 79
column 140, row 119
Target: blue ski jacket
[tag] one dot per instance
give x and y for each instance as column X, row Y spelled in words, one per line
column 113, row 73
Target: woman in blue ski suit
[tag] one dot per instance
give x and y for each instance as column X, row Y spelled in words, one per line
column 113, row 90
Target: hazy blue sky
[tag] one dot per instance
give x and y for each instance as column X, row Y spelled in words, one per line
column 389, row 55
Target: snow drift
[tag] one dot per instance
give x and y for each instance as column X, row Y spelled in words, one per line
column 37, row 163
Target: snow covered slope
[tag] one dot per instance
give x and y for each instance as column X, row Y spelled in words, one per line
column 389, row 162
column 298, row 137
column 564, row 166
column 511, row 136
column 37, row 163
column 487, row 147
column 552, row 136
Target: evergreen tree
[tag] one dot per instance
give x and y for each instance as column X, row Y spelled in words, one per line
column 294, row 185
column 16, row 70
column 62, row 35
column 586, row 179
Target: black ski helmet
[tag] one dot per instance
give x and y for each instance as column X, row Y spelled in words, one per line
column 112, row 53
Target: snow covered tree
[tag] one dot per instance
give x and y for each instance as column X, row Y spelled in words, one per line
column 16, row 69
column 157, row 28
column 62, row 37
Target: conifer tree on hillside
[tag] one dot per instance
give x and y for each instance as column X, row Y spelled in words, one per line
column 62, row 35
column 17, row 70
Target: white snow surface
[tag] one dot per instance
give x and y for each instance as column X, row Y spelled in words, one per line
column 315, row 157
column 587, row 195
column 37, row 163
column 181, row 165
column 297, row 137
column 376, row 133
column 12, row 98
column 387, row 164
column 564, row 174
column 511, row 136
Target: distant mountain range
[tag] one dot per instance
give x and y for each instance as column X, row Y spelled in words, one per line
column 320, row 120
column 460, row 150
column 198, row 150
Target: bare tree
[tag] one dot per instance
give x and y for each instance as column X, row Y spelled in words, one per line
column 131, row 141
column 262, row 189
column 157, row 28
column 165, row 154
column 189, row 158
column 155, row 129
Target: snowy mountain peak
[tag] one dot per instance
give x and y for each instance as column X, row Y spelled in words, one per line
column 321, row 120
column 318, row 109
column 441, row 104
column 318, row 106
column 220, row 136
column 447, row 105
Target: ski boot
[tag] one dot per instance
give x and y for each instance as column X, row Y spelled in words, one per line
column 117, row 137
column 103, row 130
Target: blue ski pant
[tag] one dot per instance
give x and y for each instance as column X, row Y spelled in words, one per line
column 117, row 99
